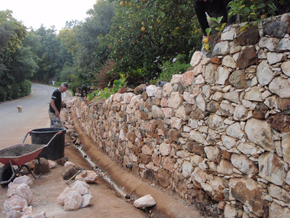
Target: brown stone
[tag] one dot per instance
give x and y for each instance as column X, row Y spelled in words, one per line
column 156, row 159
column 44, row 166
column 144, row 159
column 122, row 90
column 248, row 37
column 238, row 79
column 280, row 122
column 284, row 105
column 225, row 154
column 212, row 106
column 246, row 58
column 144, row 96
column 140, row 89
column 168, row 163
column 172, row 135
column 187, row 78
column 143, row 115
column 162, row 176
column 156, row 101
column 260, row 111
column 131, row 137
column 215, row 60
column 160, row 124
column 193, row 147
column 198, row 114
column 148, row 174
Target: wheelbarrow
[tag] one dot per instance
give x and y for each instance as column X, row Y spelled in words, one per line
column 19, row 155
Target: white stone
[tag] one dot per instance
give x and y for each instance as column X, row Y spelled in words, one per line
column 229, row 33
column 271, row 168
column 275, row 87
column 274, row 58
column 150, row 90
column 200, row 102
column 229, row 142
column 197, row 136
column 212, row 153
column 286, row 68
column 221, row 48
column 145, row 201
column 176, row 78
column 240, row 113
column 164, row 149
column 196, row 57
column 283, row 45
column 229, row 61
column 196, row 159
column 225, row 167
column 72, row 201
column 175, row 100
column 23, row 179
column 222, row 75
column 232, row 96
column 199, row 80
column 167, row 89
column 87, row 200
column 269, row 43
column 189, row 98
column 187, row 169
column 235, row 131
column 15, row 203
column 218, row 96
column 259, row 132
column 242, row 163
column 248, row 148
column 22, row 190
column 264, row 73
column 276, row 211
column 254, row 94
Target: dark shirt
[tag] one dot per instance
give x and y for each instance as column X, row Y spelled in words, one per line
column 214, row 8
column 56, row 96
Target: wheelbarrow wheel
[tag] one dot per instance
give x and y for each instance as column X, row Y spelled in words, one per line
column 5, row 174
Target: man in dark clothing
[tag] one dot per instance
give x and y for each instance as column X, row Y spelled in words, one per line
column 84, row 88
column 214, row 8
column 55, row 105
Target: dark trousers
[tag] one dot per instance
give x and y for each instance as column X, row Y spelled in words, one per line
column 82, row 91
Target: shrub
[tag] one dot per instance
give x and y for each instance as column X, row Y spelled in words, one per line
column 174, row 66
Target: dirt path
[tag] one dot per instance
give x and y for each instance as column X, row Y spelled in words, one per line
column 107, row 203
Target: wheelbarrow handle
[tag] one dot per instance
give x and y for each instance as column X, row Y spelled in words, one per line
column 58, row 133
column 29, row 132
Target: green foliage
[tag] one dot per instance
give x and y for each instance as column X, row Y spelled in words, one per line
column 15, row 90
column 177, row 66
column 144, row 30
column 107, row 92
column 253, row 10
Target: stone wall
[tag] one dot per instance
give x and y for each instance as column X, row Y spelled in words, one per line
column 222, row 126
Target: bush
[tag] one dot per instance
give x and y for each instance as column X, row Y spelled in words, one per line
column 17, row 90
column 177, row 65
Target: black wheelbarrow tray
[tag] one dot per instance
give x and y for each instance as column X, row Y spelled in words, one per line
column 19, row 155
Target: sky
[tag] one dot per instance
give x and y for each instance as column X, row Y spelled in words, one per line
column 33, row 13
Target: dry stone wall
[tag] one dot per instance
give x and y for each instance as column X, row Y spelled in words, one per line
column 222, row 126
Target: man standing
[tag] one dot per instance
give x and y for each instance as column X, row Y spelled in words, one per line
column 213, row 8
column 55, row 106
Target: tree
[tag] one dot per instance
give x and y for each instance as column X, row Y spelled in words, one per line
column 144, row 30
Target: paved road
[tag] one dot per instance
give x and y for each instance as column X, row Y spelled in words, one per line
column 14, row 125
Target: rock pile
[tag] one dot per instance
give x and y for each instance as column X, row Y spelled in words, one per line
column 222, row 126
column 20, row 197
column 75, row 197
